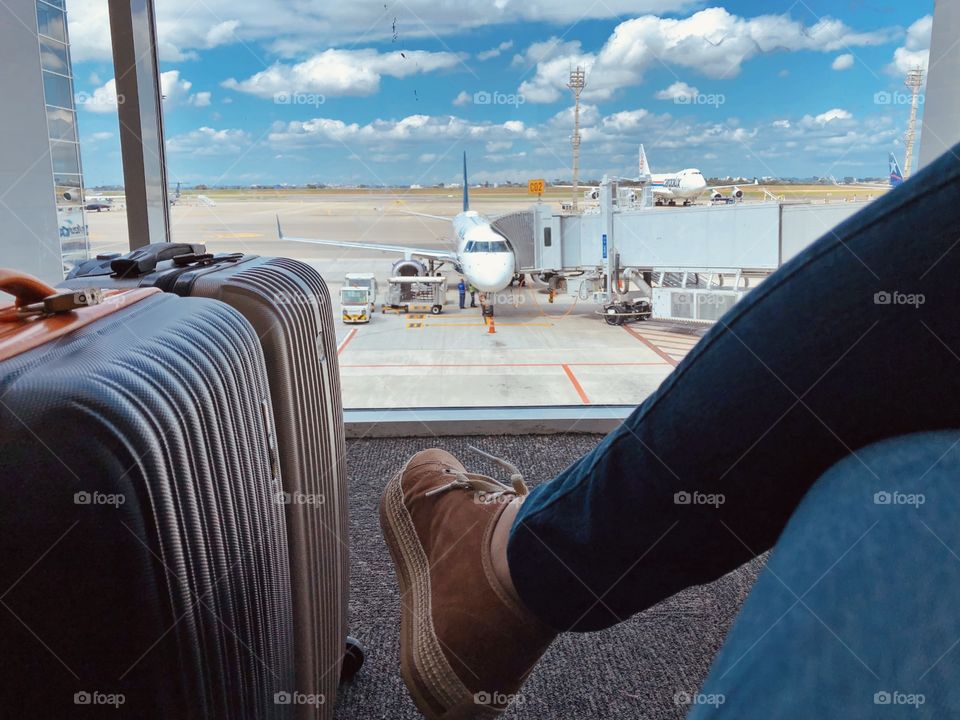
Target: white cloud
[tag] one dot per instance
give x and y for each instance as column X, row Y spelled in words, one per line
column 463, row 98
column 713, row 42
column 207, row 141
column 101, row 135
column 413, row 128
column 676, row 91
column 175, row 91
column 545, row 50
column 297, row 28
column 342, row 72
column 843, row 62
column 495, row 52
column 836, row 117
column 915, row 51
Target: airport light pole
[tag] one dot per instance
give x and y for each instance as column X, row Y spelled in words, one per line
column 914, row 81
column 578, row 81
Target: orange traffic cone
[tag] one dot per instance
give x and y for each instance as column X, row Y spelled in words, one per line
column 491, row 329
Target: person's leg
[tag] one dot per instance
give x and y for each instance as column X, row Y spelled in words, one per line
column 812, row 366
column 853, row 341
column 855, row 614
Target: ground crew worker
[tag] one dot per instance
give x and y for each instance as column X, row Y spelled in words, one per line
column 473, row 296
column 462, row 289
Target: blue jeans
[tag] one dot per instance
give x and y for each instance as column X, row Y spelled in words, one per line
column 855, row 614
column 854, row 341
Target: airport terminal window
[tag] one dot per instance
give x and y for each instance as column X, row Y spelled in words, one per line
column 375, row 154
column 53, row 55
column 65, row 158
column 50, row 22
column 57, row 90
column 62, row 124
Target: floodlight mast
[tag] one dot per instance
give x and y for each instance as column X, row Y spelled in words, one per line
column 578, row 81
column 914, row 81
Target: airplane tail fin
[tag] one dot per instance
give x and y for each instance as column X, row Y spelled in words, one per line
column 466, row 186
column 279, row 229
column 896, row 175
column 644, row 165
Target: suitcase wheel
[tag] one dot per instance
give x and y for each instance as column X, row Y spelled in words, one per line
column 352, row 659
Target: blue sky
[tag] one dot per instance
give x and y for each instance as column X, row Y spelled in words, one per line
column 392, row 92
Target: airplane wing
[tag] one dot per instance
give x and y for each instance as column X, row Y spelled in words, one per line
column 735, row 185
column 427, row 215
column 407, row 252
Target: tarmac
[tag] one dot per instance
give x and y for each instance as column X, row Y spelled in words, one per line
column 540, row 353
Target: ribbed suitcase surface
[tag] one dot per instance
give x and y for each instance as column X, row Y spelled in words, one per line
column 145, row 565
column 288, row 304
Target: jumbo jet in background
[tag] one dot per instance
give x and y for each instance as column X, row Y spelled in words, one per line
column 483, row 255
column 685, row 186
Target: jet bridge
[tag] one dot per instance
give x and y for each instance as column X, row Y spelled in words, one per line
column 615, row 244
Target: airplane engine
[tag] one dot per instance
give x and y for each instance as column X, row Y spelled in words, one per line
column 593, row 194
column 717, row 195
column 409, row 268
column 737, row 193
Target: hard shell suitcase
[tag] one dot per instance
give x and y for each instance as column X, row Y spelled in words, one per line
column 288, row 304
column 144, row 558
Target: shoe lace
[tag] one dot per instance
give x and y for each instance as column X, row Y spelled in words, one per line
column 484, row 483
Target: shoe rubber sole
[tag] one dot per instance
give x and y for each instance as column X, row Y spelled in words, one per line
column 436, row 690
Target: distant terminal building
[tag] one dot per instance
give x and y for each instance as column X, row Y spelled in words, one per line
column 41, row 178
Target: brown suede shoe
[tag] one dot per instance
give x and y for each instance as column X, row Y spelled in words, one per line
column 466, row 642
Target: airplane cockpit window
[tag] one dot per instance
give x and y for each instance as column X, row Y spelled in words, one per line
column 498, row 246
column 468, row 248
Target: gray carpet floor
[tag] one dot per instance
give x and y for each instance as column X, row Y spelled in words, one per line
column 632, row 670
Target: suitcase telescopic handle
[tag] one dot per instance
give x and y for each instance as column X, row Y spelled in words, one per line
column 144, row 260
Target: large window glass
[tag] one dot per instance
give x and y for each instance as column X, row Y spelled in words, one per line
column 719, row 130
column 51, row 21
column 57, row 90
column 62, row 124
column 65, row 157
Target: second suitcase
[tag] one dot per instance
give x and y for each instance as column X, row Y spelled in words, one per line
column 288, row 304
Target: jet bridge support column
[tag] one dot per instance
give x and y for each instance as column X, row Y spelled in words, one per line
column 608, row 191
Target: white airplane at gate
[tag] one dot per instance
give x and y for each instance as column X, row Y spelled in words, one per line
column 483, row 254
